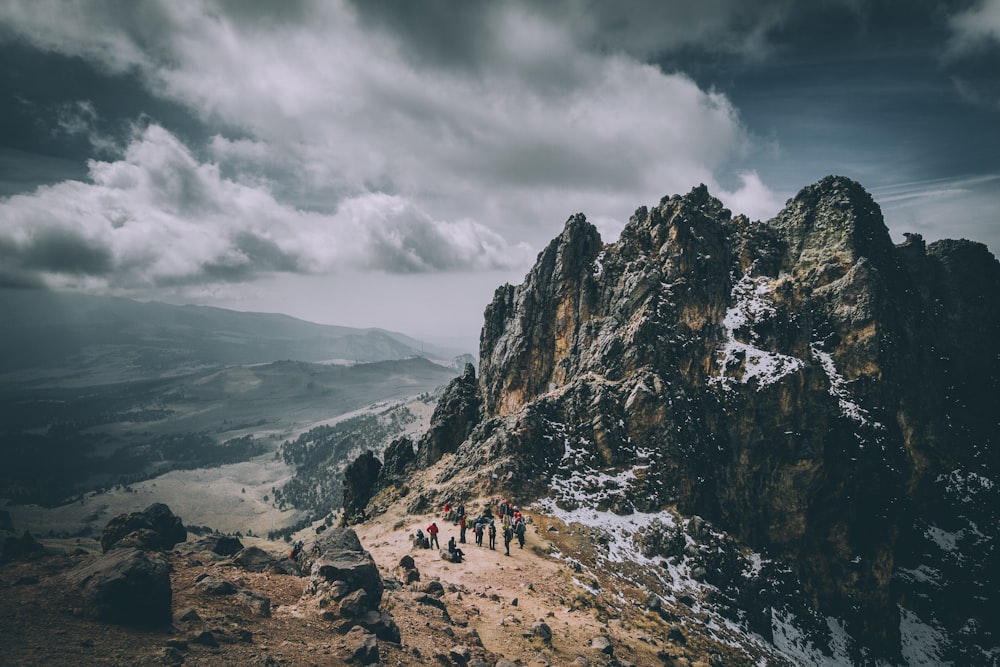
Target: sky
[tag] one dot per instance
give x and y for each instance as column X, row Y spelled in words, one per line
column 382, row 163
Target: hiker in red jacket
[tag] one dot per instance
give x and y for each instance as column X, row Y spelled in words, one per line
column 432, row 531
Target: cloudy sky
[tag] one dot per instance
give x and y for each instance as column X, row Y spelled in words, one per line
column 389, row 163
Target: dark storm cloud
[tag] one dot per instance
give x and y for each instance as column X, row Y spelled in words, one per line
column 232, row 140
column 65, row 251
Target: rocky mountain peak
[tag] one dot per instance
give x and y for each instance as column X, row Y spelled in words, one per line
column 800, row 381
column 829, row 226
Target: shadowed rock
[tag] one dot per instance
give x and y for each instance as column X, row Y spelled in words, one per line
column 155, row 528
column 126, row 586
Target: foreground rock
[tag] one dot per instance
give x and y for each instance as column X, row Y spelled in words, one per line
column 126, row 586
column 346, row 586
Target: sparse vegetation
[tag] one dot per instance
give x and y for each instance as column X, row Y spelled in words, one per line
column 320, row 455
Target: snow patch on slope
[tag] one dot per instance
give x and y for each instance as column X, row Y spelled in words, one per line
column 751, row 306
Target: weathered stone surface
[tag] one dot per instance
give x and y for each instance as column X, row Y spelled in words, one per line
column 383, row 625
column 360, row 480
column 126, row 586
column 344, row 580
column 361, row 647
column 216, row 586
column 398, row 461
column 456, row 414
column 154, row 528
column 804, row 384
column 602, row 644
column 253, row 559
column 221, row 545
column 541, row 630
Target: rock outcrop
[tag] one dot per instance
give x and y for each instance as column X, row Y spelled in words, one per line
column 360, row 479
column 818, row 392
column 126, row 586
column 456, row 414
column 154, row 528
column 345, row 584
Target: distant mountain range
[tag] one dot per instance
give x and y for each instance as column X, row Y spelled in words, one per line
column 61, row 338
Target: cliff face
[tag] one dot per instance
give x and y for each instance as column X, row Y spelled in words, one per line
column 823, row 395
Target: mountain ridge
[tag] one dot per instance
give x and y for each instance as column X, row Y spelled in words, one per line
column 802, row 382
column 66, row 336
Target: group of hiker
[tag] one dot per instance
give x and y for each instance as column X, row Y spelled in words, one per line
column 512, row 526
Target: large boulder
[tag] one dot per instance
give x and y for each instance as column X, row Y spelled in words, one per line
column 341, row 570
column 126, row 586
column 253, row 559
column 155, row 528
column 220, row 545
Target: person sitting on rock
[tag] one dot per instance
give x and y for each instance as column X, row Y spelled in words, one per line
column 456, row 554
column 420, row 541
column 432, row 531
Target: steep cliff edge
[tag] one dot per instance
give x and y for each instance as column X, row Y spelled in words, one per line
column 825, row 397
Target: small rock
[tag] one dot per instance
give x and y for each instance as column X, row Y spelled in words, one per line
column 260, row 604
column 542, row 630
column 171, row 656
column 434, row 588
column 215, row 586
column 602, row 644
column 205, row 638
column 513, row 603
column 188, row 614
column 253, row 559
column 361, row 646
column 676, row 635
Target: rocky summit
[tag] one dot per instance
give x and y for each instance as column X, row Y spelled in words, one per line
column 823, row 401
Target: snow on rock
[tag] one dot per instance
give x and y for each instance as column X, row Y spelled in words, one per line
column 922, row 644
column 838, row 389
column 751, row 307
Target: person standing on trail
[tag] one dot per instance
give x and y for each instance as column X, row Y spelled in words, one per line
column 461, row 528
column 478, row 530
column 508, row 535
column 519, row 529
column 493, row 536
column 432, row 530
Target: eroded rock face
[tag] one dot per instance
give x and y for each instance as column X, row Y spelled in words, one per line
column 813, row 389
column 156, row 528
column 360, row 479
column 456, row 414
